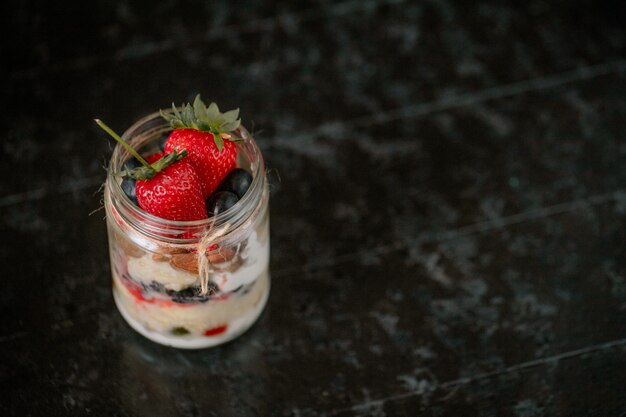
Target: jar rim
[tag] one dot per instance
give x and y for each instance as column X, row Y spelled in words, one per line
column 232, row 215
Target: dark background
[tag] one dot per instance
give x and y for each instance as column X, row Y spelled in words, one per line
column 448, row 206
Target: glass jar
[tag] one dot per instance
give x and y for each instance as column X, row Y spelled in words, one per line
column 188, row 284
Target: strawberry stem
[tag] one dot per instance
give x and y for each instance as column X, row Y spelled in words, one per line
column 123, row 143
column 148, row 170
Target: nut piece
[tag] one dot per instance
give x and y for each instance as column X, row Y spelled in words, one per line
column 189, row 261
column 221, row 255
column 185, row 261
column 159, row 258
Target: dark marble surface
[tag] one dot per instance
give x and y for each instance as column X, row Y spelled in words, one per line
column 448, row 206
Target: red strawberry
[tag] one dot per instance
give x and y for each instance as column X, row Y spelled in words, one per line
column 167, row 185
column 203, row 132
column 173, row 193
column 212, row 165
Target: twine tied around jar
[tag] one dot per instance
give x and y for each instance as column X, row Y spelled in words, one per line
column 204, row 265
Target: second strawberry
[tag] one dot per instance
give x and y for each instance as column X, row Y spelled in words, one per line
column 204, row 132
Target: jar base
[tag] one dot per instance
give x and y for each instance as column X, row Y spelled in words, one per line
column 235, row 329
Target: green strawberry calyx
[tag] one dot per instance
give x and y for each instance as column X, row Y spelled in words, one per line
column 148, row 170
column 205, row 119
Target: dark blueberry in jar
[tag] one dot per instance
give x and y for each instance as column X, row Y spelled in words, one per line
column 192, row 294
column 237, row 181
column 131, row 163
column 128, row 184
column 156, row 286
column 220, row 201
column 162, row 141
column 129, row 187
column 183, row 296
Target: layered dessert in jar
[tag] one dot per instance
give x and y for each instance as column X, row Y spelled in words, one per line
column 186, row 201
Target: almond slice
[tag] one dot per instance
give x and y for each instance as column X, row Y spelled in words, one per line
column 221, row 255
column 185, row 261
column 159, row 257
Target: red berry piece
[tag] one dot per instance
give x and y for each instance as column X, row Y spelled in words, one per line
column 204, row 133
column 173, row 193
column 211, row 164
column 216, row 330
column 167, row 185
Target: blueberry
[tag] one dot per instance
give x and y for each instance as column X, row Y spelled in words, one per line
column 131, row 163
column 162, row 141
column 192, row 294
column 184, row 296
column 156, row 286
column 220, row 201
column 129, row 188
column 153, row 286
column 237, row 181
column 128, row 184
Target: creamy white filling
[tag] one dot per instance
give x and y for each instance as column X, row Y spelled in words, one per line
column 255, row 261
column 146, row 270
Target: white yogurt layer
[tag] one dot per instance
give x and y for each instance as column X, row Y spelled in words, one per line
column 146, row 270
column 255, row 258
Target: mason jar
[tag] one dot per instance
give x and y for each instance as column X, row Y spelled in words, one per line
column 188, row 284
